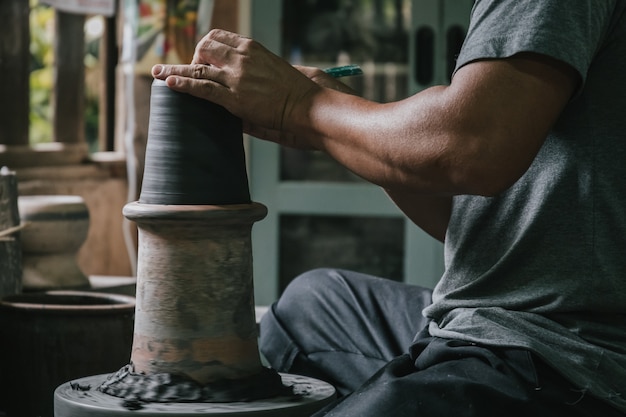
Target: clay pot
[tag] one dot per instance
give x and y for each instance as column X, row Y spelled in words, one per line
column 57, row 227
column 194, row 152
column 195, row 297
column 54, row 337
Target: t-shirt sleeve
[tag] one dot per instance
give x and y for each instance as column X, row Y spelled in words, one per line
column 570, row 31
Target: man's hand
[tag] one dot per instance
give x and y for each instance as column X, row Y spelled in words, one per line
column 248, row 80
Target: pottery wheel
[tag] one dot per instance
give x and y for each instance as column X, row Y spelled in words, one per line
column 79, row 398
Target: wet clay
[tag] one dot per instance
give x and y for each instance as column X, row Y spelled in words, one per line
column 194, row 152
column 81, row 397
column 164, row 387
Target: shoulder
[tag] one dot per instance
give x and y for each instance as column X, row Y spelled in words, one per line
column 568, row 31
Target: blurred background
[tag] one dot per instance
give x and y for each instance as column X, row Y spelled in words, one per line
column 75, row 121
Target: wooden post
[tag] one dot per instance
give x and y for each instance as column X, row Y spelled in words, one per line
column 69, row 78
column 10, row 251
column 108, row 59
column 14, row 67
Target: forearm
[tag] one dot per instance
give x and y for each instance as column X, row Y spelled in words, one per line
column 400, row 146
column 466, row 138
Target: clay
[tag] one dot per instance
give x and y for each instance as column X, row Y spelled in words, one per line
column 194, row 321
column 195, row 297
column 194, row 152
column 82, row 398
column 195, row 335
column 138, row 388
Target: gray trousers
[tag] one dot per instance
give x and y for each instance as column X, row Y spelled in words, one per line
column 367, row 337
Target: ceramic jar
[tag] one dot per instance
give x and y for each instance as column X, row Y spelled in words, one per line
column 56, row 226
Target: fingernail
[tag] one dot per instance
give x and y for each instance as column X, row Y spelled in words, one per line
column 157, row 69
column 171, row 81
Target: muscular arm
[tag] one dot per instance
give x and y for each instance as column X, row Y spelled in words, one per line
column 476, row 136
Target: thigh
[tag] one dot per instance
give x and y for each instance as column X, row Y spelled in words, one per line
column 443, row 378
column 461, row 385
column 344, row 324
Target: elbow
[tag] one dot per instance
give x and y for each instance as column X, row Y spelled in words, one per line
column 477, row 169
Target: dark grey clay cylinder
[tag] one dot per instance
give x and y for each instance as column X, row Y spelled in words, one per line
column 194, row 153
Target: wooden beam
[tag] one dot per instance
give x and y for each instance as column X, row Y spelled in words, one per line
column 108, row 61
column 15, row 70
column 69, row 78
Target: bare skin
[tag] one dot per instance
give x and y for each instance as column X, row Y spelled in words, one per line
column 476, row 136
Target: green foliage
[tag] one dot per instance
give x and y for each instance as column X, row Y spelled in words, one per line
column 41, row 78
column 42, row 56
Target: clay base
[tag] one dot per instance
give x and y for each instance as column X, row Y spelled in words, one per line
column 80, row 398
column 162, row 388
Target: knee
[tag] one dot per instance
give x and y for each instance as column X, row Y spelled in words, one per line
column 308, row 290
column 295, row 316
column 318, row 280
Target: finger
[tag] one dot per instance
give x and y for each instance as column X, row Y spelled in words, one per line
column 322, row 78
column 215, row 47
column 198, row 71
column 225, row 37
column 219, row 47
column 202, row 88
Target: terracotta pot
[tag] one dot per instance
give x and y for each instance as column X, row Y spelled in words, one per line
column 54, row 337
column 195, row 295
column 195, row 298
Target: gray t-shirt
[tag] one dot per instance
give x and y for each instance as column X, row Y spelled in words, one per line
column 543, row 265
